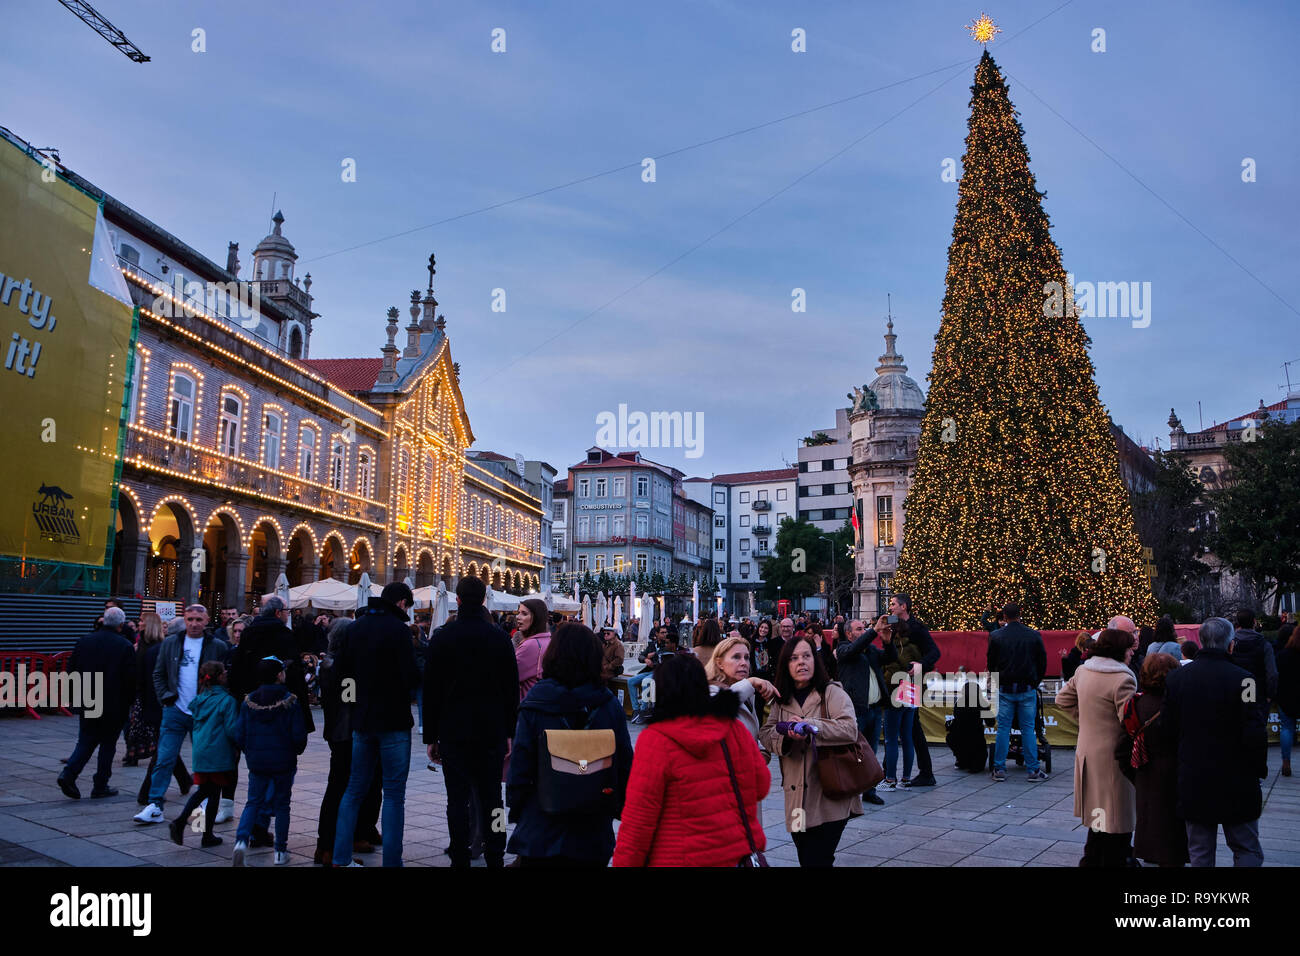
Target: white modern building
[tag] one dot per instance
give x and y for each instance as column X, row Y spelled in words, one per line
column 748, row 508
column 825, row 496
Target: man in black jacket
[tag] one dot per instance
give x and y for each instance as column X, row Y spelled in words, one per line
column 1018, row 657
column 378, row 677
column 108, row 660
column 900, row 606
column 1251, row 651
column 864, row 682
column 471, row 693
column 1222, row 750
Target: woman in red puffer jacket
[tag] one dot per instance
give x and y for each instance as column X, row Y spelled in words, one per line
column 681, row 807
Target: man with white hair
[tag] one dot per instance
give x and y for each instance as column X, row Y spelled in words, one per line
column 1222, row 749
column 106, row 654
column 176, row 682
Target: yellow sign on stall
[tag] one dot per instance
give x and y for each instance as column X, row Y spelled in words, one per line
column 65, row 344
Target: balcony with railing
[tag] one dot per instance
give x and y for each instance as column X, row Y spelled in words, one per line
column 762, row 504
column 762, row 529
column 236, row 475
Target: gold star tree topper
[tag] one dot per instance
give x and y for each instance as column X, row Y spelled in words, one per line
column 984, row 29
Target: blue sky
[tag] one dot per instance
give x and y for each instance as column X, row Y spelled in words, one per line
column 439, row 125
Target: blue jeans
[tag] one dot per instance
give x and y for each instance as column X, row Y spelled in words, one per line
column 1023, row 707
column 392, row 751
column 101, row 732
column 1286, row 731
column 633, row 688
column 267, row 793
column 899, row 722
column 869, row 726
column 171, row 734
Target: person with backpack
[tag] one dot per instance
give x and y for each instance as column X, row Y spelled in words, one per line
column 216, row 728
column 697, row 780
column 1250, row 650
column 570, row 700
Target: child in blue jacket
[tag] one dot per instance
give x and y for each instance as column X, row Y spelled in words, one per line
column 271, row 734
column 216, row 720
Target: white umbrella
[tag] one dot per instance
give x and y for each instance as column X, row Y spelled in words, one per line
column 695, row 601
column 719, row 607
column 586, row 610
column 328, row 594
column 575, row 590
column 282, row 588
column 363, row 591
column 618, row 614
column 647, row 615
column 441, row 606
column 662, row 619
column 631, row 598
column 602, row 609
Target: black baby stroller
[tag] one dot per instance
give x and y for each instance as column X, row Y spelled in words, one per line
column 966, row 730
column 1016, row 750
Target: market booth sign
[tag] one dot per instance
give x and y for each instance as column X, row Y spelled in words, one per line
column 66, row 344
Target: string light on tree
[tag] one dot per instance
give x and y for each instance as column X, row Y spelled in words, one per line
column 984, row 29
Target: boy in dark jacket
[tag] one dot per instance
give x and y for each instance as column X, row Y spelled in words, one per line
column 271, row 734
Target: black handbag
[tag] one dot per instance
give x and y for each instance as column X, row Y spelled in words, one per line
column 756, row 857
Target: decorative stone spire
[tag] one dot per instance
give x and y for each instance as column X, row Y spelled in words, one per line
column 1174, row 422
column 427, row 323
column 413, row 330
column 306, row 283
column 440, row 324
column 232, row 258
column 891, row 360
column 388, row 373
column 278, row 219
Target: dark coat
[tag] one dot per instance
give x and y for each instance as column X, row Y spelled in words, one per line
column 1018, row 656
column 1222, row 740
column 269, row 637
column 858, row 660
column 919, row 635
column 1070, row 663
column 105, row 651
column 1160, row 836
column 471, row 682
column 1288, row 682
column 376, row 652
column 1251, row 651
column 167, row 665
column 548, row 706
column 271, row 730
column 336, row 715
column 150, row 709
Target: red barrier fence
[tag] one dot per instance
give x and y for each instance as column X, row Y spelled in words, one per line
column 23, row 663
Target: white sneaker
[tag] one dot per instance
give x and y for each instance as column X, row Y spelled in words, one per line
column 150, row 814
column 281, row 857
column 240, row 847
column 225, row 810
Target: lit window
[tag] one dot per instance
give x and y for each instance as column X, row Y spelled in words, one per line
column 272, row 433
column 338, row 456
column 365, row 474
column 641, row 562
column 180, row 422
column 600, row 563
column 306, row 451
column 884, row 521
column 228, row 434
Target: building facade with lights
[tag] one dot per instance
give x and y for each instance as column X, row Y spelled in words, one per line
column 244, row 458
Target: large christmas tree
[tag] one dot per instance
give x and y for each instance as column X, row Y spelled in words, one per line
column 1017, row 493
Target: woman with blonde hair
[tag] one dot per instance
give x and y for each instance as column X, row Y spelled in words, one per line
column 728, row 669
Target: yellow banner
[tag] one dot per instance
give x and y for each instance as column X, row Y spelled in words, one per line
column 65, row 347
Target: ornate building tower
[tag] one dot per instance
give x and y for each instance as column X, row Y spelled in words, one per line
column 273, row 264
column 884, row 428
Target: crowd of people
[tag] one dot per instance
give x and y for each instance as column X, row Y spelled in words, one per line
column 1171, row 732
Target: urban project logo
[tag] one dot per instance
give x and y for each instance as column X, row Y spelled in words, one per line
column 1105, row 300
column 626, row 429
column 53, row 517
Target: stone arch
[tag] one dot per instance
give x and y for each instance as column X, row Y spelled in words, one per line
column 424, row 568
column 334, row 556
column 484, row 574
column 265, row 554
column 172, row 535
column 221, row 574
column 471, row 571
column 301, row 566
column 401, row 564
column 447, row 571
column 360, row 559
column 130, row 546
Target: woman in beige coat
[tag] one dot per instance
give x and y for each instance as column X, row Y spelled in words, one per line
column 1104, row 799
column 815, row 821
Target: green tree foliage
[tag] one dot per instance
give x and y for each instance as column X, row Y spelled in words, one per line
column 1171, row 521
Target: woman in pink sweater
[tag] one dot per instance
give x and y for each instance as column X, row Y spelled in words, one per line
column 531, row 640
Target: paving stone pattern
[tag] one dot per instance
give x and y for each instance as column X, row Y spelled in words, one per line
column 967, row 820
